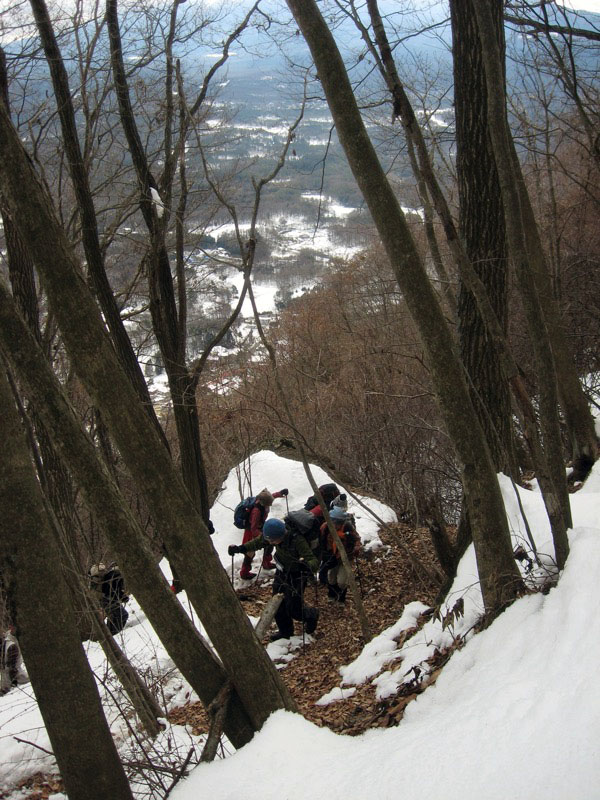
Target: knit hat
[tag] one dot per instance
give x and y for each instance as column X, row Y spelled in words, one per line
column 265, row 498
column 338, row 514
column 273, row 529
column 341, row 501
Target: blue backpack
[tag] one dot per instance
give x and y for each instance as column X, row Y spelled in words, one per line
column 242, row 512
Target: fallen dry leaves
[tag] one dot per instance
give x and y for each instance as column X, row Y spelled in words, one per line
column 388, row 582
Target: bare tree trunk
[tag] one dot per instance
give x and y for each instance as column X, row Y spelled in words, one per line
column 144, row 704
column 483, row 232
column 500, row 579
column 60, row 675
column 515, row 201
column 163, row 307
column 186, row 536
column 494, row 329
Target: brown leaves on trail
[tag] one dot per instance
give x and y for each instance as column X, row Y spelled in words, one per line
column 388, row 583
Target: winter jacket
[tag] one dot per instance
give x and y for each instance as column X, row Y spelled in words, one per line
column 292, row 554
column 349, row 537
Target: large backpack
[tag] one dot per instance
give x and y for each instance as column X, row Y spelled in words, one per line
column 305, row 524
column 329, row 492
column 242, row 511
column 108, row 583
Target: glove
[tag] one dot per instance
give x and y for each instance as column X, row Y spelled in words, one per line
column 284, row 492
column 233, row 549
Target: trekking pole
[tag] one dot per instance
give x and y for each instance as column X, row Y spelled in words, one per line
column 287, row 505
column 302, row 608
column 232, row 570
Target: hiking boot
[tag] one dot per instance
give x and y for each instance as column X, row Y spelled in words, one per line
column 245, row 573
column 312, row 618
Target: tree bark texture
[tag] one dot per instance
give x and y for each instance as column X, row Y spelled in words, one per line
column 60, row 675
column 514, row 200
column 500, row 579
column 482, row 229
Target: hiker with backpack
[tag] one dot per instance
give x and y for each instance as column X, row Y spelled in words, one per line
column 296, row 564
column 332, row 572
column 250, row 515
column 108, row 584
column 330, row 494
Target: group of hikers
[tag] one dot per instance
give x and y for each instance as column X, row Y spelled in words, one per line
column 298, row 548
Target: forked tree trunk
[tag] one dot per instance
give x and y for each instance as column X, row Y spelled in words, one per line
column 169, row 332
column 500, row 579
column 60, row 675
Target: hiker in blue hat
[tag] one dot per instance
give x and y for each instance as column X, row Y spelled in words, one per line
column 295, row 564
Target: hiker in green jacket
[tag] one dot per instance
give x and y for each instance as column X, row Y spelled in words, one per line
column 295, row 564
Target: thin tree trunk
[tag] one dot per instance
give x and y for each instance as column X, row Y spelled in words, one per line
column 144, row 704
column 60, row 675
column 500, row 579
column 163, row 307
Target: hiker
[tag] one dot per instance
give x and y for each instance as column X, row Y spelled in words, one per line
column 295, row 565
column 329, row 493
column 255, row 511
column 332, row 572
column 10, row 660
column 108, row 584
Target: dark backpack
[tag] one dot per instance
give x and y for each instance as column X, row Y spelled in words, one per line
column 305, row 524
column 329, row 491
column 242, row 512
